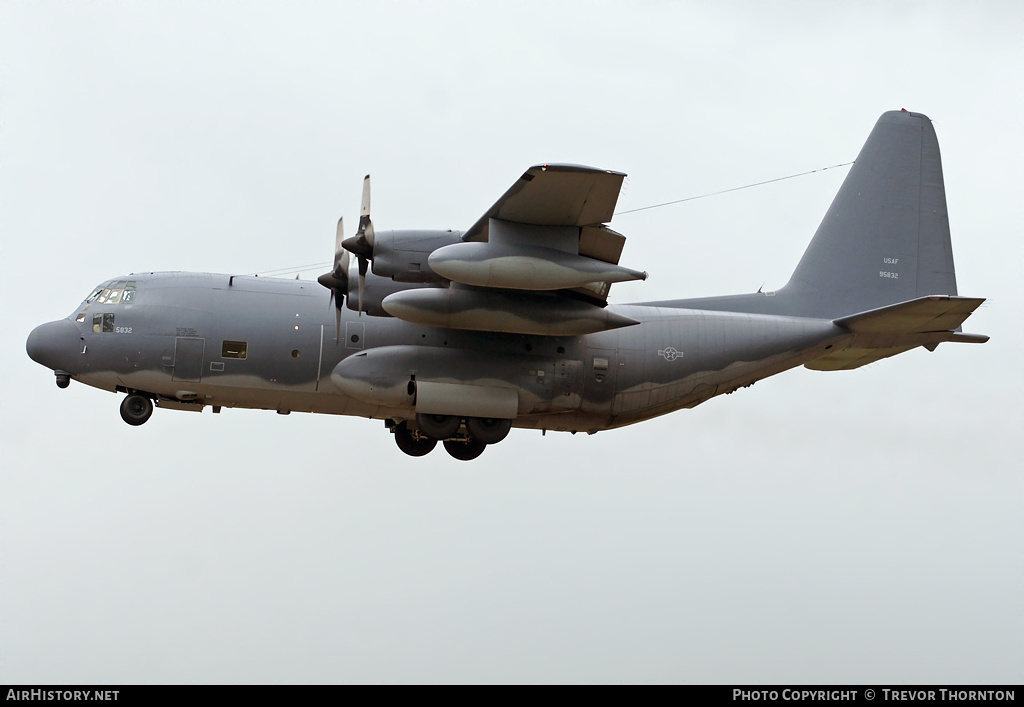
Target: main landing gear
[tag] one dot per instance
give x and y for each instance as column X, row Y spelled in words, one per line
column 464, row 451
column 464, row 446
column 411, row 444
column 136, row 409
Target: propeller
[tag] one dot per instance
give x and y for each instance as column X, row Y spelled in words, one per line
column 337, row 279
column 361, row 244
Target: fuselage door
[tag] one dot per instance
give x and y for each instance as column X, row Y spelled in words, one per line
column 188, row 359
column 599, row 379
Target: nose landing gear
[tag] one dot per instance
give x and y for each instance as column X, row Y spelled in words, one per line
column 136, row 409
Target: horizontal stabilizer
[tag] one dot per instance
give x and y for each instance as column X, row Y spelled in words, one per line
column 933, row 313
column 887, row 331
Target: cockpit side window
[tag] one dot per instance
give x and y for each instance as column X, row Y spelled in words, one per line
column 103, row 323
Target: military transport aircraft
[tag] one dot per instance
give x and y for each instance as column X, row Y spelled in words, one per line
column 458, row 336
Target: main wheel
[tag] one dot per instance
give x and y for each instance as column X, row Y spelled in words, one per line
column 438, row 426
column 136, row 409
column 409, row 444
column 489, row 430
column 464, row 451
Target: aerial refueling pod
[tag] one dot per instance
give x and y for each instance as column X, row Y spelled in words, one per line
column 485, row 310
column 521, row 267
column 446, row 381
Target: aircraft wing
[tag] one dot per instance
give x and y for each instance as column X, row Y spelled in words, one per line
column 555, row 195
column 539, row 261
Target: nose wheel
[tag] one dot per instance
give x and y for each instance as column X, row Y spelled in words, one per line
column 136, row 409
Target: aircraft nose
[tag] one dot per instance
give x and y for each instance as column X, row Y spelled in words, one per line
column 52, row 344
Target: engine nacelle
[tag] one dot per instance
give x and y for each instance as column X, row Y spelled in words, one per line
column 402, row 255
column 374, row 291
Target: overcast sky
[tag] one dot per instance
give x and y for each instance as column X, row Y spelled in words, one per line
column 852, row 527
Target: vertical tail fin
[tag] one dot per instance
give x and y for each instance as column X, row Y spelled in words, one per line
column 885, row 239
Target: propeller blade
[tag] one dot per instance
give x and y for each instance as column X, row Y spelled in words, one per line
column 337, row 319
column 341, row 257
column 365, row 225
column 363, row 263
column 337, row 280
column 361, row 244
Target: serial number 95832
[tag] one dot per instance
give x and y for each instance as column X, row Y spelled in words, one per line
column 122, row 330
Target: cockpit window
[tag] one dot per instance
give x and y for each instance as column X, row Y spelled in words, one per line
column 114, row 293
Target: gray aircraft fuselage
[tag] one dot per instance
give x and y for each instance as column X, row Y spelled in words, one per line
column 170, row 341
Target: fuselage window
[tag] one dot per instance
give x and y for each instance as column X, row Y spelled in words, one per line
column 129, row 293
column 102, row 299
column 96, row 293
column 97, row 322
column 108, row 323
column 234, row 349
